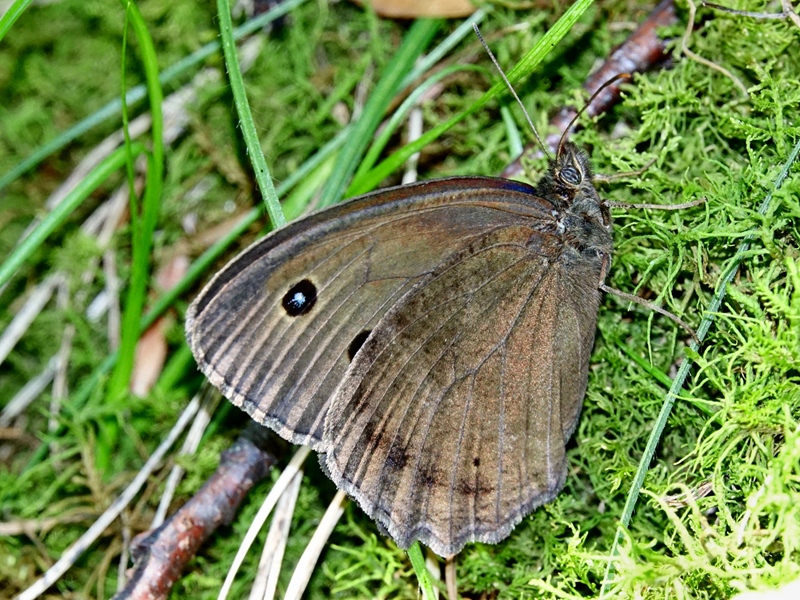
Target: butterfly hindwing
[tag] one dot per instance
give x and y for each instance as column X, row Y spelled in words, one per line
column 452, row 422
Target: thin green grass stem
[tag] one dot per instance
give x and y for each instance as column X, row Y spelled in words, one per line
column 520, row 71
column 451, row 41
column 130, row 164
column 55, row 218
column 421, row 571
column 145, row 223
column 424, row 63
column 415, row 41
column 646, row 366
column 137, row 93
column 400, row 114
column 13, row 13
column 515, row 145
column 248, row 125
column 683, row 372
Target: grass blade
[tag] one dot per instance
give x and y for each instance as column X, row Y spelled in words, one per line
column 145, row 223
column 12, row 14
column 415, row 41
column 246, row 121
column 58, row 215
column 522, row 70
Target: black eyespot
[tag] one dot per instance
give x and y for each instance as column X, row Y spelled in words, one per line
column 571, row 175
column 476, row 461
column 300, row 298
column 357, row 342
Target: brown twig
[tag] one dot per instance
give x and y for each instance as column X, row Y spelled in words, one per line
column 162, row 554
column 641, row 51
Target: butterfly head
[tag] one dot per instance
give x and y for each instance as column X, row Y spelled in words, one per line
column 584, row 221
column 569, row 184
column 568, row 177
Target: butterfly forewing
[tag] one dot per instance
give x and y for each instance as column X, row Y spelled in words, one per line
column 277, row 328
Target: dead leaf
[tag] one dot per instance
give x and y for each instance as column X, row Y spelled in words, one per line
column 411, row 9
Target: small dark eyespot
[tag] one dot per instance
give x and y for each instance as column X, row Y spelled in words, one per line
column 300, row 298
column 356, row 344
column 570, row 175
column 396, row 460
column 476, row 461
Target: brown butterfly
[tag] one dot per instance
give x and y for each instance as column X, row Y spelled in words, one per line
column 431, row 341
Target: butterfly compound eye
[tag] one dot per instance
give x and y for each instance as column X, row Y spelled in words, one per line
column 570, row 175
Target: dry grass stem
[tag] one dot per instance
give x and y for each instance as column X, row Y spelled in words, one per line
column 208, row 404
column 414, row 131
column 293, row 468
column 450, row 578
column 26, row 315
column 269, row 566
column 29, row 392
column 703, row 61
column 308, row 560
column 75, row 550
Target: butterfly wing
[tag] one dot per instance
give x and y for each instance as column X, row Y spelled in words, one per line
column 276, row 329
column 452, row 422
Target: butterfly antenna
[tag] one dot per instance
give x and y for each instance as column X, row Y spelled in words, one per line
column 585, row 106
column 511, row 89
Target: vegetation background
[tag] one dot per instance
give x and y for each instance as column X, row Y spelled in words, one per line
column 720, row 508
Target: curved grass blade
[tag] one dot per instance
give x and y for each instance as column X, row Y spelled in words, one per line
column 522, row 70
column 260, row 168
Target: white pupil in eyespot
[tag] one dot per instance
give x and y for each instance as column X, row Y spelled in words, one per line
column 299, row 299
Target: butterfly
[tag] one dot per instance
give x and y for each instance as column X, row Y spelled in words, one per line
column 431, row 341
